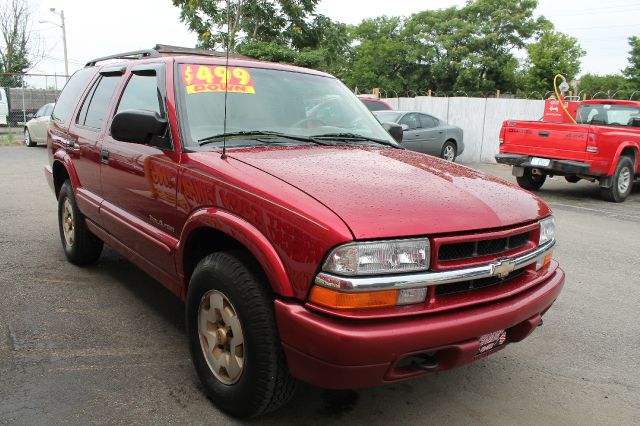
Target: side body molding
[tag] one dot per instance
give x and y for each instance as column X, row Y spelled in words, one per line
column 245, row 233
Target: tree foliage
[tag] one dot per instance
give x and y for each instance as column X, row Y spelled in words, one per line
column 613, row 86
column 553, row 53
column 217, row 22
column 17, row 42
column 632, row 72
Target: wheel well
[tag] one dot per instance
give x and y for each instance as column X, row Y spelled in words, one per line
column 204, row 241
column 60, row 175
column 629, row 152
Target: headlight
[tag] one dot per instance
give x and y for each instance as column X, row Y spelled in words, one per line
column 547, row 230
column 379, row 257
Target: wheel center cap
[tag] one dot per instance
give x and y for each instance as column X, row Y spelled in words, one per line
column 221, row 336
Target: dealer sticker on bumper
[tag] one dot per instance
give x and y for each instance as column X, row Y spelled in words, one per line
column 491, row 341
column 542, row 162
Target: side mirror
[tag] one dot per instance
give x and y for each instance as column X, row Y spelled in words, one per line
column 137, row 126
column 395, row 130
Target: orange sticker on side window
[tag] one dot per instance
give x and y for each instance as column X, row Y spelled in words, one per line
column 210, row 78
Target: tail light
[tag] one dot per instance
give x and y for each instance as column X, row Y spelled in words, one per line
column 592, row 143
column 502, row 132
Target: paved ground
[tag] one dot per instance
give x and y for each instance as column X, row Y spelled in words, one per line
column 105, row 344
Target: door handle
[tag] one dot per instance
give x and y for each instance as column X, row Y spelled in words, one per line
column 105, row 156
column 543, row 134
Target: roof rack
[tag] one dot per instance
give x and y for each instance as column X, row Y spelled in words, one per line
column 165, row 49
column 136, row 54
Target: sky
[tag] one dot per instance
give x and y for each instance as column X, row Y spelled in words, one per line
column 99, row 28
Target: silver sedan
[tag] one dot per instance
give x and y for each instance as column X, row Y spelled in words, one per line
column 426, row 133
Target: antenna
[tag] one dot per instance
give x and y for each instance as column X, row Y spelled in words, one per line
column 226, row 87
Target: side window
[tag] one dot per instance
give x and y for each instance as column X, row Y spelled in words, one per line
column 41, row 111
column 94, row 109
column 141, row 93
column 67, row 100
column 48, row 109
column 427, row 121
column 411, row 121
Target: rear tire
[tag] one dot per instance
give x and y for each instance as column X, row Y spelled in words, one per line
column 622, row 182
column 531, row 182
column 27, row 138
column 80, row 246
column 233, row 280
column 449, row 151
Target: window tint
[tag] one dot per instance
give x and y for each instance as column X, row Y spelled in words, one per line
column 95, row 106
column 141, row 93
column 375, row 106
column 410, row 120
column 427, row 122
column 67, row 100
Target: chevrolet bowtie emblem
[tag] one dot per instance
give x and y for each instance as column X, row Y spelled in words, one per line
column 502, row 267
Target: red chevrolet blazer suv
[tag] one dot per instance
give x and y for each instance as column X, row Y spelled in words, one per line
column 305, row 248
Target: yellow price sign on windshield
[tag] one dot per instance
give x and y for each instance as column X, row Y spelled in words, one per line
column 212, row 78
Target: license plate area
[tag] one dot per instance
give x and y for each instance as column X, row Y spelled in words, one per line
column 491, row 341
column 542, row 162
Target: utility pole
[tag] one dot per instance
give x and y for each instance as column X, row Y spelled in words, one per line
column 64, row 37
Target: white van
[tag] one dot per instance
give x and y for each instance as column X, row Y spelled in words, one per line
column 4, row 107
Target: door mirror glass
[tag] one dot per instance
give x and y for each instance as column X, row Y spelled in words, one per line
column 395, row 130
column 137, row 126
column 404, row 126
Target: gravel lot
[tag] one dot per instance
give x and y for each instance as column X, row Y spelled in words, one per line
column 105, row 344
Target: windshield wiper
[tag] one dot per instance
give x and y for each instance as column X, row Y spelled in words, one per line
column 353, row 136
column 215, row 138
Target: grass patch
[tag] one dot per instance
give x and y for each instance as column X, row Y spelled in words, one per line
column 10, row 139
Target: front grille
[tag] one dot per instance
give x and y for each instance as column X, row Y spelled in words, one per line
column 471, row 249
column 463, row 287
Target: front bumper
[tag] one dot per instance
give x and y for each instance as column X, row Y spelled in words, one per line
column 557, row 166
column 337, row 353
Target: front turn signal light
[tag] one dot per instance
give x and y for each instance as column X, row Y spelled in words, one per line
column 334, row 299
column 544, row 262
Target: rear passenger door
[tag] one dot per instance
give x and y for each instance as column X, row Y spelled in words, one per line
column 139, row 181
column 86, row 131
column 433, row 134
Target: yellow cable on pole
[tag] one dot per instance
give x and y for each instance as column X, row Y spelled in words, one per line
column 560, row 98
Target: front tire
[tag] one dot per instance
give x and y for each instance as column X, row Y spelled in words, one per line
column 27, row 138
column 80, row 246
column 233, row 336
column 622, row 183
column 449, row 151
column 531, row 182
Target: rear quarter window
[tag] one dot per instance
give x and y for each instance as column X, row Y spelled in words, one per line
column 66, row 103
column 375, row 106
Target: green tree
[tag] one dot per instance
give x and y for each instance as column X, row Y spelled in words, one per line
column 454, row 50
column 613, row 86
column 17, row 44
column 221, row 22
column 553, row 53
column 632, row 72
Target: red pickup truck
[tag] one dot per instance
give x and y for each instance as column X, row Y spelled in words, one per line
column 602, row 146
column 304, row 249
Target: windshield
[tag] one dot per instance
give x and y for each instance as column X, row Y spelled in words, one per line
column 609, row 115
column 268, row 100
column 387, row 116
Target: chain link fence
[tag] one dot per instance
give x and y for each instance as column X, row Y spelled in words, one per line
column 621, row 94
column 21, row 97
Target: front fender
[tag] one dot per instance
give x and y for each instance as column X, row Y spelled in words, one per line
column 246, row 234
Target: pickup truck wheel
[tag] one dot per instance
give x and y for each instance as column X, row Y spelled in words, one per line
column 27, row 138
column 80, row 246
column 233, row 336
column 449, row 151
column 531, row 182
column 622, row 181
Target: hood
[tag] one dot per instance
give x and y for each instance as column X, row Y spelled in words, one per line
column 384, row 193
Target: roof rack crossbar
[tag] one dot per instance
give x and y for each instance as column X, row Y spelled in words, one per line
column 145, row 53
